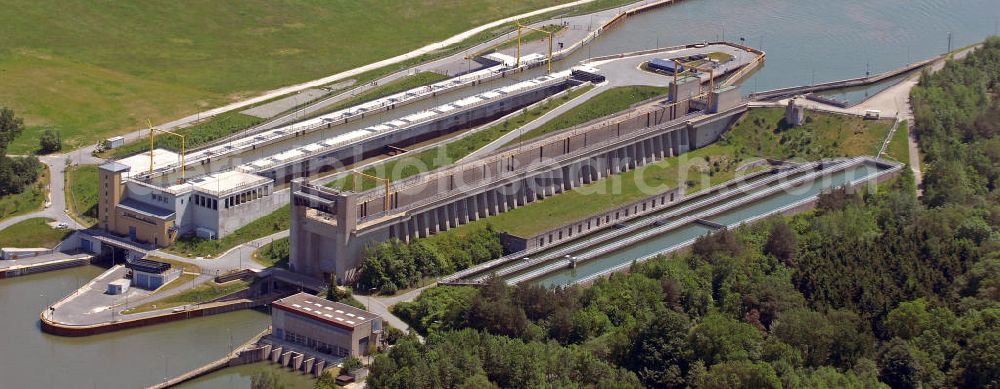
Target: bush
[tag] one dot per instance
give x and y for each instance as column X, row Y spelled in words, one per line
column 50, row 141
column 351, row 364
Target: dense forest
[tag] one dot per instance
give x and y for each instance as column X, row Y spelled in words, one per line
column 873, row 288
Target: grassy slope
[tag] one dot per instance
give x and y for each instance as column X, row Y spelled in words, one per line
column 604, row 104
column 29, row 200
column 899, row 146
column 201, row 293
column 110, row 65
column 81, row 192
column 754, row 136
column 197, row 135
column 32, row 233
column 197, row 247
column 450, row 152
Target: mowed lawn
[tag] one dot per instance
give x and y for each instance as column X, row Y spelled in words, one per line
column 32, row 233
column 94, row 69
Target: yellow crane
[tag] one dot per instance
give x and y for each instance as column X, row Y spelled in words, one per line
column 521, row 27
column 384, row 180
column 152, row 136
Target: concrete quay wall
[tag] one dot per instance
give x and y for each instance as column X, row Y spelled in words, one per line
column 54, row 328
column 58, row 264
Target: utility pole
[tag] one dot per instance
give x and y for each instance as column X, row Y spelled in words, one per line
column 949, row 42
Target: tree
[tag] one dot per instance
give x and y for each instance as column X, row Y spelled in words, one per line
column 718, row 339
column 659, row 355
column 50, row 141
column 740, row 374
column 899, row 368
column 10, row 128
column 782, row 243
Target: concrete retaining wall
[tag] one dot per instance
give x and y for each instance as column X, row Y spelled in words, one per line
column 584, row 227
column 60, row 329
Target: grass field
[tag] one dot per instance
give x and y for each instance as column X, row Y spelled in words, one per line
column 29, row 200
column 32, row 233
column 604, row 104
column 199, row 294
column 81, row 193
column 759, row 134
column 197, row 247
column 92, row 70
column 762, row 133
column 449, row 153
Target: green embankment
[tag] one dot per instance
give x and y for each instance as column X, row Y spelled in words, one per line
column 899, row 146
column 530, row 36
column 197, row 135
column 449, row 153
column 275, row 253
column 112, row 65
column 759, row 134
column 81, row 192
column 604, row 104
column 278, row 220
column 32, row 233
column 199, row 294
column 29, row 200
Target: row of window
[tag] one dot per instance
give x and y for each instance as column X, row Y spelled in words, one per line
column 245, row 197
column 160, row 198
column 206, row 202
column 315, row 344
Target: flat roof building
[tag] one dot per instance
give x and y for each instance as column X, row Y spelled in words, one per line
column 150, row 275
column 328, row 327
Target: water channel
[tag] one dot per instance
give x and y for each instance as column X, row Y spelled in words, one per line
column 806, row 41
column 690, row 231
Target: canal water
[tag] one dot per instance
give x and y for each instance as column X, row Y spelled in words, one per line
column 811, row 40
column 689, row 232
column 806, row 41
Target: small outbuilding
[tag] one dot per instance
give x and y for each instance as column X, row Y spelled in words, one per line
column 118, row 286
column 149, row 274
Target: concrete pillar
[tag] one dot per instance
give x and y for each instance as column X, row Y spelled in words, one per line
column 318, row 369
column 265, row 352
column 297, row 362
column 435, row 220
column 286, row 359
column 307, row 365
column 502, row 199
column 474, row 207
column 276, row 355
column 463, row 211
column 423, row 224
column 492, row 204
